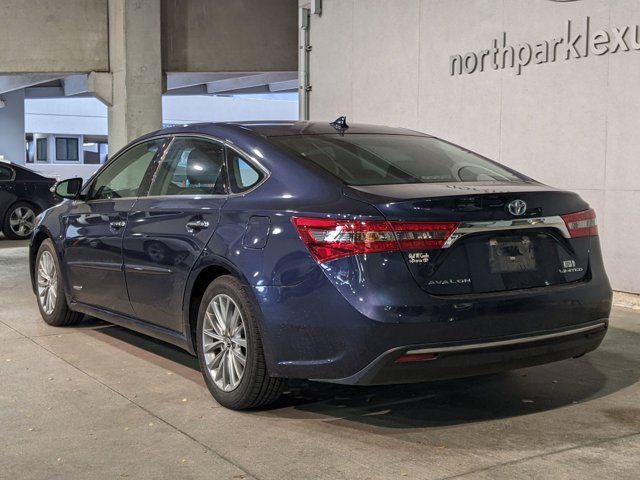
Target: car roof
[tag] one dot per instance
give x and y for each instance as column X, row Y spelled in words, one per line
column 283, row 128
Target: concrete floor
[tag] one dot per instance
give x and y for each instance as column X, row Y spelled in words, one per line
column 98, row 401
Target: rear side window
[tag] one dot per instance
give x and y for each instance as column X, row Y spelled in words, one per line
column 193, row 166
column 5, row 173
column 374, row 159
column 243, row 175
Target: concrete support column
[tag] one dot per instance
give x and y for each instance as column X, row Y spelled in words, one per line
column 12, row 142
column 135, row 60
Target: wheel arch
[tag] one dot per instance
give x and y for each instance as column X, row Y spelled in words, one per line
column 39, row 236
column 201, row 277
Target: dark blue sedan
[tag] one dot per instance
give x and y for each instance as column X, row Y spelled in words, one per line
column 354, row 254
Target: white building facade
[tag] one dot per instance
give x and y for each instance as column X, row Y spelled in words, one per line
column 68, row 137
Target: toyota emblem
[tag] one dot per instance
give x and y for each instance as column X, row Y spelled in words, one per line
column 517, row 208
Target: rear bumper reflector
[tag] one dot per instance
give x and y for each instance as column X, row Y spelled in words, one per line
column 416, row 357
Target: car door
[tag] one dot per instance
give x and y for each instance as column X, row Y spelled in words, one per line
column 170, row 227
column 95, row 224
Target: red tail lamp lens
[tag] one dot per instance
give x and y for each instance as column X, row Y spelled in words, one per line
column 328, row 239
column 581, row 224
column 421, row 235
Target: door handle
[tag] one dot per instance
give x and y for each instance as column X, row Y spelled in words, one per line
column 194, row 225
column 118, row 224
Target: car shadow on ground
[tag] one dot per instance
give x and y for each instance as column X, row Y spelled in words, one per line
column 614, row 366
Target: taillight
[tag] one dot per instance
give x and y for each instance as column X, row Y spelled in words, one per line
column 581, row 224
column 421, row 235
column 329, row 239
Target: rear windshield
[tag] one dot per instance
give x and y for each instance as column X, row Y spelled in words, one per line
column 378, row 159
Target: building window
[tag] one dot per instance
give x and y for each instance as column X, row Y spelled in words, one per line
column 41, row 149
column 66, row 149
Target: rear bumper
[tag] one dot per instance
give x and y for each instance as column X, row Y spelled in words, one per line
column 463, row 360
column 344, row 323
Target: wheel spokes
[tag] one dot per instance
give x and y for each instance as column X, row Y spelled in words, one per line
column 224, row 344
column 231, row 370
column 219, row 318
column 213, row 335
column 47, row 283
column 239, row 358
column 213, row 345
column 22, row 221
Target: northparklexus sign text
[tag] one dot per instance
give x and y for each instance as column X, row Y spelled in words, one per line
column 579, row 40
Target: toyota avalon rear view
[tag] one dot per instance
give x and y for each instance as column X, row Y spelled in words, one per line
column 354, row 254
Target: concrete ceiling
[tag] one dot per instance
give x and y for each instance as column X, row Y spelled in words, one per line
column 43, row 85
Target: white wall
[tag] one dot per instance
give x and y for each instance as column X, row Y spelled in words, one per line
column 80, row 116
column 192, row 109
column 571, row 124
column 87, row 116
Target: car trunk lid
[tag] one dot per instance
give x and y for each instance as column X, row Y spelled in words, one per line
column 491, row 249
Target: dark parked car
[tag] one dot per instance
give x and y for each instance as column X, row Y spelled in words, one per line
column 23, row 195
column 359, row 255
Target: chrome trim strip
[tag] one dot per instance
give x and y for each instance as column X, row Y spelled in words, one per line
column 501, row 343
column 145, row 269
column 110, row 267
column 467, row 228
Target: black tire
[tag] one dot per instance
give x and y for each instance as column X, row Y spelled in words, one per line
column 6, row 222
column 61, row 315
column 256, row 388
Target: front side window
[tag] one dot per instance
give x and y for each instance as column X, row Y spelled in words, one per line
column 242, row 175
column 193, row 166
column 123, row 177
column 66, row 149
column 5, row 173
column 378, row 159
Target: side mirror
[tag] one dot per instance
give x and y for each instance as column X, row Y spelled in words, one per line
column 69, row 188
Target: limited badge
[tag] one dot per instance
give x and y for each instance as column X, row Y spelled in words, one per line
column 418, row 257
column 569, row 266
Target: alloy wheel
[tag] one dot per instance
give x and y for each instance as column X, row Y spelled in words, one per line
column 224, row 342
column 47, row 283
column 22, row 221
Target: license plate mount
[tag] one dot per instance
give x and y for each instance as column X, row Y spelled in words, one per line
column 511, row 254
